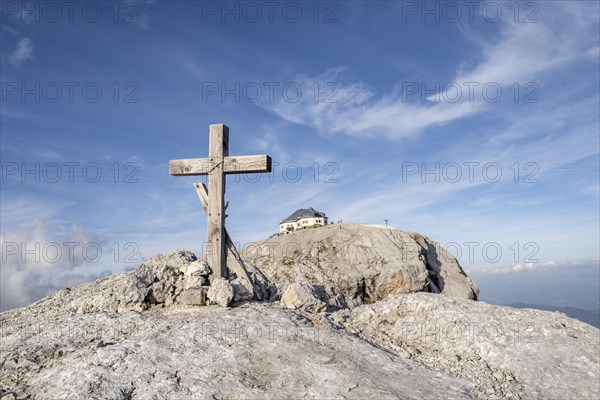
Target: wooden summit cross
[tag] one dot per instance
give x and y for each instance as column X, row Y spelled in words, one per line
column 216, row 166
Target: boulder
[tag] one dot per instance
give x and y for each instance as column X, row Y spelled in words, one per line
column 220, row 292
column 506, row 352
column 363, row 263
column 303, row 296
column 196, row 296
column 195, row 274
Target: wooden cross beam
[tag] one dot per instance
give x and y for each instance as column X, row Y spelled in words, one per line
column 216, row 166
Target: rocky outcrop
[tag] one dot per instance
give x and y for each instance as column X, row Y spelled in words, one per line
column 140, row 334
column 505, row 352
column 363, row 263
column 160, row 280
column 163, row 280
column 220, row 292
column 255, row 351
column 303, row 296
column 414, row 346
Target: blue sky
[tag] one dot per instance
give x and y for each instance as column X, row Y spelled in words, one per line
column 476, row 124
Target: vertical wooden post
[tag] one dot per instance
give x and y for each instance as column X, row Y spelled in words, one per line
column 216, row 166
column 235, row 263
column 218, row 149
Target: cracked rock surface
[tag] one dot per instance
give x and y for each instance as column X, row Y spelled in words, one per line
column 252, row 351
column 148, row 334
column 363, row 263
column 506, row 352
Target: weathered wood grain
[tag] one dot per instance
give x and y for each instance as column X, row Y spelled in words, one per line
column 232, row 165
column 233, row 258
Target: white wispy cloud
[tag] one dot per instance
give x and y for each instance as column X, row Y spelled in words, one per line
column 9, row 112
column 36, row 263
column 593, row 53
column 556, row 132
column 519, row 267
column 19, row 211
column 10, row 30
column 520, row 53
column 351, row 107
column 565, row 33
column 22, row 53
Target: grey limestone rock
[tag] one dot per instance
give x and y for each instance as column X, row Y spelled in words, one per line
column 506, row 352
column 220, row 292
column 255, row 351
column 303, row 296
column 363, row 263
column 354, row 322
column 196, row 296
column 195, row 274
column 157, row 281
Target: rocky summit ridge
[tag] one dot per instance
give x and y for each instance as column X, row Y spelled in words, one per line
column 356, row 264
column 340, row 312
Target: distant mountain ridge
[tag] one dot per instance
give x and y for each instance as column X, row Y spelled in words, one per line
column 591, row 317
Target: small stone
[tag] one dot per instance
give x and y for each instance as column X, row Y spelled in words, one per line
column 194, row 274
column 302, row 296
column 220, row 292
column 193, row 296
